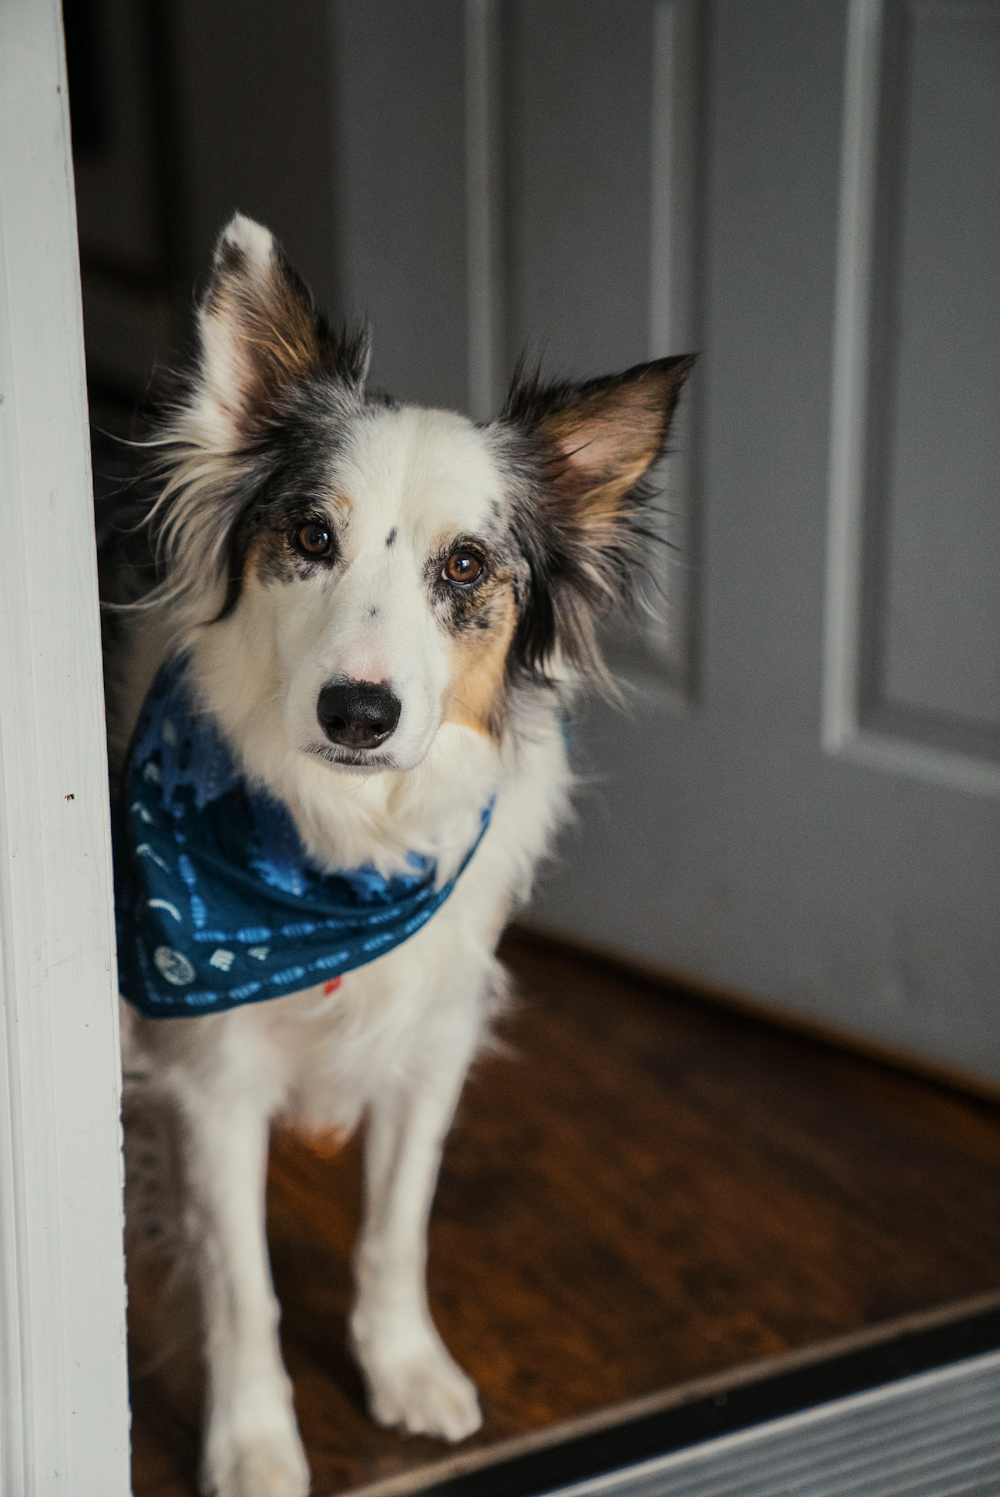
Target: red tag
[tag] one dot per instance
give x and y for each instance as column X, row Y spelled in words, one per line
column 332, row 984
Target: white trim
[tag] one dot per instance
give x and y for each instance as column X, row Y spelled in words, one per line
column 673, row 179
column 921, row 761
column 673, row 212
column 63, row 1389
column 842, row 733
column 851, row 333
column 482, row 204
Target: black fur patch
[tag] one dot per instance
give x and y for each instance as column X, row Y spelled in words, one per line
column 286, row 486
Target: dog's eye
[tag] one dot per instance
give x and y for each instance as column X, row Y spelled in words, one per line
column 313, row 540
column 462, row 567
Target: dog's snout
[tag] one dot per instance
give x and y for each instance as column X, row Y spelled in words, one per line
column 357, row 714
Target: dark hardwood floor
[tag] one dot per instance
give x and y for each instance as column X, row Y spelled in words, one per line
column 645, row 1188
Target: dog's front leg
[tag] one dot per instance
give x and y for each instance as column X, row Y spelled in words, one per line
column 412, row 1380
column 252, row 1446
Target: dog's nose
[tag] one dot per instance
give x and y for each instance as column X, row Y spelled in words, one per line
column 357, row 714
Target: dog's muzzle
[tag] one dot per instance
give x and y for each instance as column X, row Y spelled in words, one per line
column 358, row 714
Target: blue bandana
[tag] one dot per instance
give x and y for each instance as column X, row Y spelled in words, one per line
column 216, row 903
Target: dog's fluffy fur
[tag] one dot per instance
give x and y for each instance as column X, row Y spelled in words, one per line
column 274, row 437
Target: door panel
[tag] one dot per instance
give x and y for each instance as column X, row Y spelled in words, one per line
column 939, row 630
column 578, row 174
column 399, row 100
column 603, row 127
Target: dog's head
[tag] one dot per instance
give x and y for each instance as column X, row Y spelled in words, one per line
column 394, row 568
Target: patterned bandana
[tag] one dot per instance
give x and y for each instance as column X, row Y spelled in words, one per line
column 216, row 903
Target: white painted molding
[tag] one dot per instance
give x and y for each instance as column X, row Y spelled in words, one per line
column 842, row 732
column 673, row 247
column 921, row 761
column 483, row 193
column 851, row 339
column 63, row 1390
column 852, row 330
column 673, row 179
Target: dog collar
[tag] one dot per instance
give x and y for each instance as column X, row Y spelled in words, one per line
column 216, row 902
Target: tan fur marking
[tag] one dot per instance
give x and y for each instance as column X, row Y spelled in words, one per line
column 326, row 1143
column 252, row 559
column 478, row 661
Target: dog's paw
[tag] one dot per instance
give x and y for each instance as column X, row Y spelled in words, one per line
column 419, row 1389
column 261, row 1465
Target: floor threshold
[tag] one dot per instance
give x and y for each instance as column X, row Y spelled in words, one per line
column 932, row 1380
column 933, row 1435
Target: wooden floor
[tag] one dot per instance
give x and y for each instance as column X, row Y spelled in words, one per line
column 645, row 1189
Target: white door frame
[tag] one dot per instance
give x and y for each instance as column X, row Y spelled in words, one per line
column 63, row 1388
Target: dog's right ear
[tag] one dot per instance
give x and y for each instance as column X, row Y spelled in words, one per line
column 261, row 336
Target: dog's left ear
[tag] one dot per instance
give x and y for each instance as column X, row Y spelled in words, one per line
column 594, row 445
column 260, row 336
column 602, row 436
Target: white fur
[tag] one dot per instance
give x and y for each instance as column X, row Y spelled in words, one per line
column 395, row 1040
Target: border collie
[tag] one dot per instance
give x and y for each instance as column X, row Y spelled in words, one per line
column 366, row 625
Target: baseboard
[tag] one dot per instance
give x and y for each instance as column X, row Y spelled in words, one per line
column 952, row 1077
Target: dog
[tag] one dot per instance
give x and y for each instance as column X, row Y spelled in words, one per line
column 353, row 662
